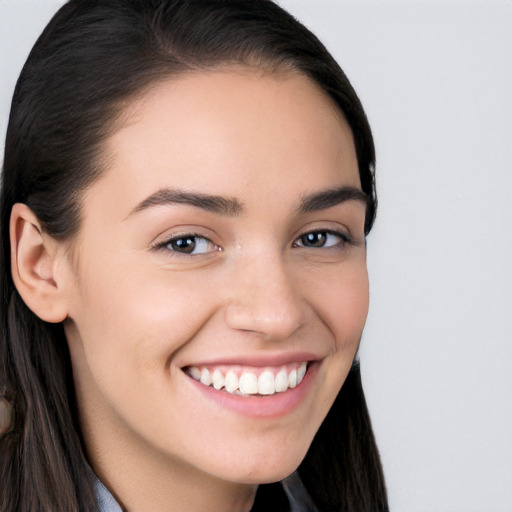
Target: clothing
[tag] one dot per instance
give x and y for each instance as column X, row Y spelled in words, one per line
column 296, row 492
column 106, row 502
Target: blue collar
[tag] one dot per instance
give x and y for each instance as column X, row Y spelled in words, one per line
column 106, row 502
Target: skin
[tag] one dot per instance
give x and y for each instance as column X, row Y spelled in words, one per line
column 137, row 314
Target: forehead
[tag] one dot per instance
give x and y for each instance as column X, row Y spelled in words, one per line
column 233, row 132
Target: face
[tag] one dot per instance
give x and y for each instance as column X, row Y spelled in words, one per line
column 218, row 288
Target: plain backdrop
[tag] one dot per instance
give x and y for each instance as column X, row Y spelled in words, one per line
column 436, row 81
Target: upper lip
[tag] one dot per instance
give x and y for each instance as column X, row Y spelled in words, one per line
column 259, row 360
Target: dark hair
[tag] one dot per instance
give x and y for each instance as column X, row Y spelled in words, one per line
column 92, row 58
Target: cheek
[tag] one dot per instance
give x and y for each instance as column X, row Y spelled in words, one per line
column 127, row 323
column 125, row 333
column 344, row 308
column 342, row 304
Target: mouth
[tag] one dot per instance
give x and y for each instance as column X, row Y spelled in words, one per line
column 249, row 381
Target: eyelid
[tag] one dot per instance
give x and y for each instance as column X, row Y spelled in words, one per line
column 163, row 244
column 345, row 237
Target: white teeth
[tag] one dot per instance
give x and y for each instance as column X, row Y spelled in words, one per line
column 218, row 379
column 248, row 384
column 205, row 378
column 281, row 381
column 292, row 379
column 194, row 372
column 301, row 372
column 231, row 382
column 266, row 383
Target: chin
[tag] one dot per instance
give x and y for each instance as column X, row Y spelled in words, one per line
column 265, row 469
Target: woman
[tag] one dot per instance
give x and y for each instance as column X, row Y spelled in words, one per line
column 187, row 188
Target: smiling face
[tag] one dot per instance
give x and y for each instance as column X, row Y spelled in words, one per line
column 219, row 287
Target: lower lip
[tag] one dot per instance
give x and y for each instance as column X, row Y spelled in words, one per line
column 267, row 406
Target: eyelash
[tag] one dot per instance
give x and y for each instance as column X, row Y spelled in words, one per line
column 190, row 236
column 344, row 238
column 299, row 242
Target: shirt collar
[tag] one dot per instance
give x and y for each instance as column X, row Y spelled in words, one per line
column 106, row 502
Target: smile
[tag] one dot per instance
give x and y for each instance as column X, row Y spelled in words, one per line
column 247, row 381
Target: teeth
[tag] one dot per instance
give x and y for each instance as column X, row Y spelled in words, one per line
column 231, row 382
column 266, row 384
column 195, row 373
column 281, row 381
column 292, row 379
column 205, row 378
column 248, row 384
column 245, row 383
column 218, row 380
column 301, row 372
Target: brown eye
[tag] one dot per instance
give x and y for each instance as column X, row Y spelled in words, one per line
column 190, row 244
column 314, row 239
column 322, row 239
column 186, row 244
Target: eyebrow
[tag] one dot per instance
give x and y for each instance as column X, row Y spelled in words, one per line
column 210, row 203
column 231, row 207
column 329, row 198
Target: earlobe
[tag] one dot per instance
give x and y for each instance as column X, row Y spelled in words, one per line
column 34, row 261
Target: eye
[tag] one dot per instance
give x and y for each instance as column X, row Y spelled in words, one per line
column 189, row 244
column 322, row 239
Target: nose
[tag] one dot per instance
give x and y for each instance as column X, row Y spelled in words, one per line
column 265, row 299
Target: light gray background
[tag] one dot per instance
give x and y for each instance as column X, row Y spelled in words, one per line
column 436, row 80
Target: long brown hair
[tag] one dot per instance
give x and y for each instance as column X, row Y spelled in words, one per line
column 90, row 60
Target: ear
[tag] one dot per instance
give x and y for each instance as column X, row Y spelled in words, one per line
column 36, row 264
